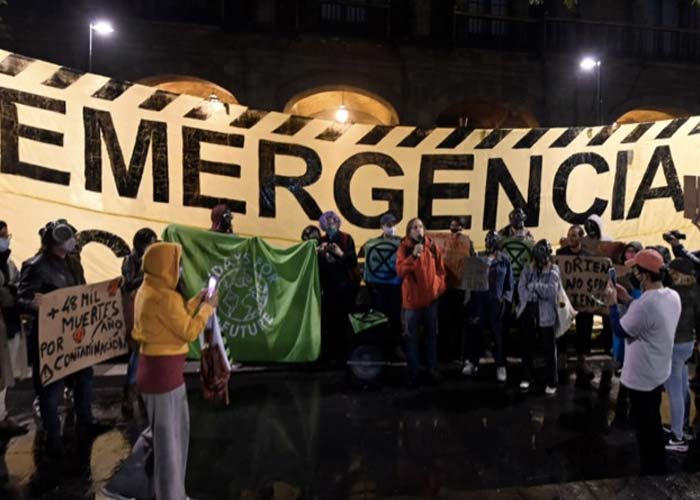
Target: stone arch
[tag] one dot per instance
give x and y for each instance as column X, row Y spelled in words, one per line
column 486, row 114
column 362, row 106
column 191, row 85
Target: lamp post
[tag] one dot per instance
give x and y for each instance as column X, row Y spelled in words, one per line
column 589, row 64
column 103, row 28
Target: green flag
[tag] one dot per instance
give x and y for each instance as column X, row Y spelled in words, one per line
column 269, row 298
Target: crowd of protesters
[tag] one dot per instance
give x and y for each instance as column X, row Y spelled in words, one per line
column 654, row 315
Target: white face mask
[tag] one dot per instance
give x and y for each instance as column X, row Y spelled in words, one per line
column 4, row 244
column 69, row 245
column 389, row 230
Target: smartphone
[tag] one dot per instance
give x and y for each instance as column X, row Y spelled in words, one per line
column 612, row 275
column 211, row 287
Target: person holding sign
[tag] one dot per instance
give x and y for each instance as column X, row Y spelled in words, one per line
column 489, row 308
column 380, row 275
column 573, row 247
column 420, row 266
column 164, row 325
column 649, row 328
column 538, row 290
column 51, row 269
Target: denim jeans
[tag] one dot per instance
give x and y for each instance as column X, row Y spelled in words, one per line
column 428, row 319
column 51, row 395
column 132, row 368
column 677, row 386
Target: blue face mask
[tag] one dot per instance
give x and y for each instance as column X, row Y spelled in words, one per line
column 332, row 231
column 4, row 244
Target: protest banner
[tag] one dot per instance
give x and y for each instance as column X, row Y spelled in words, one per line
column 519, row 252
column 584, row 280
column 476, row 274
column 454, row 249
column 269, row 298
column 79, row 327
column 113, row 156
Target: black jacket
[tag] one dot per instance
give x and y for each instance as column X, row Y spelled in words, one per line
column 45, row 273
column 131, row 271
column 681, row 252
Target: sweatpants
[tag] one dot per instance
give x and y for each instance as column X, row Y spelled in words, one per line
column 158, row 462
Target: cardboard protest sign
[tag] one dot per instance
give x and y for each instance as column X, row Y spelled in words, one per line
column 78, row 327
column 691, row 197
column 610, row 249
column 476, row 274
column 454, row 249
column 584, row 280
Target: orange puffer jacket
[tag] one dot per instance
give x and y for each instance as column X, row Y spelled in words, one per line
column 423, row 277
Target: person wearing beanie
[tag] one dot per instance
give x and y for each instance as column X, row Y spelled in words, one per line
column 682, row 277
column 222, row 219
column 339, row 282
column 649, row 328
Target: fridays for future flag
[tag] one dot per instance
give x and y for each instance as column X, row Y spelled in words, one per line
column 269, row 298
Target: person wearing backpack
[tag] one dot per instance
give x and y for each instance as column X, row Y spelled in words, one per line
column 419, row 264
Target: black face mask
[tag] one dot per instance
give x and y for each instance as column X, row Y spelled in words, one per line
column 592, row 229
column 634, row 281
column 455, row 230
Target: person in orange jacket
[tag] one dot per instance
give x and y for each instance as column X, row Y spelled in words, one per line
column 420, row 265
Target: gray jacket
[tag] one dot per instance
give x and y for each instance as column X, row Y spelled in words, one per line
column 542, row 288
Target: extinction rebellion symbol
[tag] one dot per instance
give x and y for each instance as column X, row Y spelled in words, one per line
column 244, row 308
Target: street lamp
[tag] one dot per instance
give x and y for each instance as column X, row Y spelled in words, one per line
column 103, row 28
column 589, row 64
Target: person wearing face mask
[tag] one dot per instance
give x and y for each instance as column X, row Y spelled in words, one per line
column 538, row 289
column 132, row 275
column 51, row 269
column 457, row 246
column 572, row 246
column 682, row 277
column 649, row 329
column 419, row 264
column 221, row 219
column 311, row 233
column 10, row 334
column 339, row 281
column 383, row 283
column 516, row 228
column 489, row 308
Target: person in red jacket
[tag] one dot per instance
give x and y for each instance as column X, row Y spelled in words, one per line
column 420, row 265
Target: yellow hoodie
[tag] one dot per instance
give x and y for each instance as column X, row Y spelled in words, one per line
column 163, row 322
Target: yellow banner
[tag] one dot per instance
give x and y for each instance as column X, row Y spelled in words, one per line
column 112, row 157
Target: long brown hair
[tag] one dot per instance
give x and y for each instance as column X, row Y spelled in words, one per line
column 409, row 225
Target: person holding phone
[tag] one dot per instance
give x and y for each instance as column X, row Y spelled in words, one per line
column 419, row 264
column 164, row 325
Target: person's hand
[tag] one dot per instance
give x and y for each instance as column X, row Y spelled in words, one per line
column 563, row 241
column 322, row 248
column 213, row 301
column 335, row 249
column 418, row 250
column 623, row 295
column 202, row 295
column 611, row 294
column 37, row 300
column 673, row 241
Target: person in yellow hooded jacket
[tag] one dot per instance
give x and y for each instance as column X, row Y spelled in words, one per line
column 164, row 325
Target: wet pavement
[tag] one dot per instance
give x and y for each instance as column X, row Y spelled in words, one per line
column 314, row 435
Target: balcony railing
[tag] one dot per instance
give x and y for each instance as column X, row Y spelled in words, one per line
column 568, row 35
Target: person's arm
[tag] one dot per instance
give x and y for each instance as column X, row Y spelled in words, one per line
column 29, row 285
column 548, row 290
column 133, row 278
column 406, row 263
column 349, row 257
column 523, row 282
column 184, row 325
column 615, row 324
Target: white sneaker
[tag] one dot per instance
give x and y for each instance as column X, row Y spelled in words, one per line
column 524, row 385
column 501, row 375
column 469, row 369
column 550, row 391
